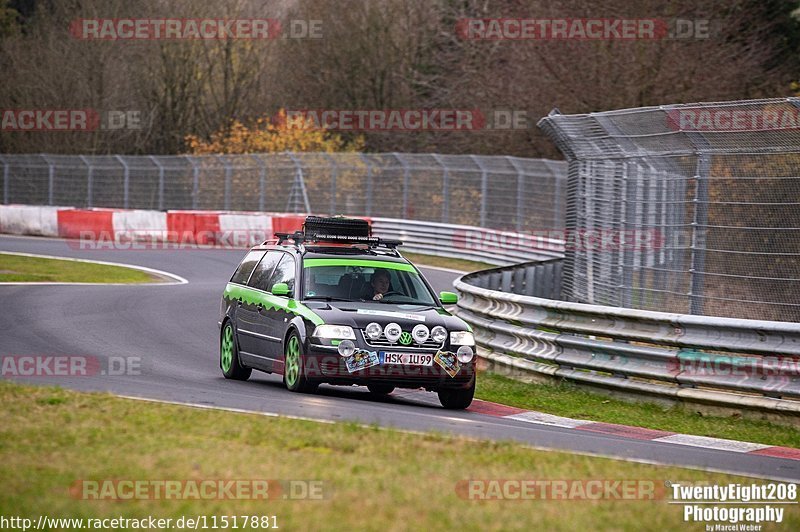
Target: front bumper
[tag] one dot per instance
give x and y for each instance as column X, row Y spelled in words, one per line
column 323, row 364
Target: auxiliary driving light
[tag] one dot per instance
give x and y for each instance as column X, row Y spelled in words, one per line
column 373, row 331
column 464, row 354
column 438, row 334
column 392, row 332
column 420, row 333
column 346, row 348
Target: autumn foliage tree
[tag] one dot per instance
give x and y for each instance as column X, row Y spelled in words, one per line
column 272, row 136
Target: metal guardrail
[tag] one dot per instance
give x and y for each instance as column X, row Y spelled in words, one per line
column 467, row 242
column 730, row 362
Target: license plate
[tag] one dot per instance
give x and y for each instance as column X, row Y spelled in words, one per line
column 407, row 359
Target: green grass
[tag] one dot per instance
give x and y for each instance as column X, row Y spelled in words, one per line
column 444, row 262
column 568, row 400
column 373, row 479
column 19, row 268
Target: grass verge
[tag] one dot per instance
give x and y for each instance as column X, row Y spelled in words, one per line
column 567, row 400
column 444, row 262
column 373, row 479
column 19, row 268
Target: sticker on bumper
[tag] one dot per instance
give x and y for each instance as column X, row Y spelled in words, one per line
column 448, row 362
column 361, row 359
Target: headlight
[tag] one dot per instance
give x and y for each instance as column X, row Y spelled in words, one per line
column 373, row 331
column 346, row 348
column 464, row 354
column 462, row 338
column 438, row 334
column 420, row 333
column 331, row 332
column 392, row 332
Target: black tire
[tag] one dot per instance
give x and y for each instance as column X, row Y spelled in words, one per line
column 229, row 355
column 294, row 371
column 457, row 399
column 380, row 389
column 336, row 226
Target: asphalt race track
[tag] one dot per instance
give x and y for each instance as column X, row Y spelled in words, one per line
column 173, row 329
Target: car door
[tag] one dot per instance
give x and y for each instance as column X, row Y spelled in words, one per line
column 278, row 316
column 251, row 322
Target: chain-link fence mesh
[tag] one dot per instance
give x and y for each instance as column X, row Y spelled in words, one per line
column 712, row 193
column 504, row 193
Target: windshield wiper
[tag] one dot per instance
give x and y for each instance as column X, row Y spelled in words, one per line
column 326, row 298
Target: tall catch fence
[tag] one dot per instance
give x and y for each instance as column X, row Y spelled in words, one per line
column 707, row 197
column 503, row 193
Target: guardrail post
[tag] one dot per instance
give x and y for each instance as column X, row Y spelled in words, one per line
column 50, row 178
column 484, row 187
column 699, row 222
column 89, row 181
column 160, row 182
column 126, row 176
column 406, row 182
column 6, row 179
column 445, row 188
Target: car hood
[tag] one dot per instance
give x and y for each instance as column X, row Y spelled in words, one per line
column 358, row 314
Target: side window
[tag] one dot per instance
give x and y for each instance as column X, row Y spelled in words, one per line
column 261, row 276
column 246, row 267
column 284, row 273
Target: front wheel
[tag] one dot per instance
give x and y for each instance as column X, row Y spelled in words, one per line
column 229, row 356
column 457, row 399
column 294, row 367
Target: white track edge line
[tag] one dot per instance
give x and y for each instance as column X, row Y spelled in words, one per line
column 177, row 278
column 461, row 436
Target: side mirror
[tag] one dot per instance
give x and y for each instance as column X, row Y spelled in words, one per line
column 280, row 289
column 448, row 298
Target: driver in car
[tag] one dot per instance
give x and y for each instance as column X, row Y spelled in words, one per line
column 378, row 285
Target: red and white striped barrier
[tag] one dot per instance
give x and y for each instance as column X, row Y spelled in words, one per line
column 182, row 228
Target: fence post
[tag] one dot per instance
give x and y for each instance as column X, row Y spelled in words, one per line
column 445, row 188
column 484, row 187
column 699, row 222
column 227, row 198
column 50, row 178
column 262, row 182
column 126, row 176
column 195, row 180
column 368, row 199
column 520, row 189
column 6, row 178
column 160, row 182
column 299, row 185
column 89, row 181
column 334, row 175
column 406, row 182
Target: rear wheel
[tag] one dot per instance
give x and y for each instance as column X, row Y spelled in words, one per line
column 294, row 369
column 380, row 389
column 229, row 356
column 458, row 399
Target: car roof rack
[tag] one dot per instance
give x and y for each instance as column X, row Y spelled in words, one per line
column 300, row 239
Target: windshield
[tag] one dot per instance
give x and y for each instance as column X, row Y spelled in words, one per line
column 364, row 280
